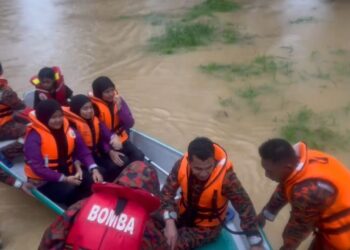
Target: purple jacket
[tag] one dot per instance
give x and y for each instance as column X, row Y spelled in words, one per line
column 105, row 137
column 125, row 116
column 34, row 158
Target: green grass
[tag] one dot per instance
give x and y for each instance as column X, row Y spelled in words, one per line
column 316, row 131
column 322, row 75
column 208, row 7
column 347, row 109
column 342, row 68
column 155, row 19
column 250, row 93
column 182, row 36
column 300, row 20
column 259, row 66
column 339, row 52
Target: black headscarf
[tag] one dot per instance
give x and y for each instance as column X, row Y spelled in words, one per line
column 77, row 102
column 44, row 111
column 100, row 84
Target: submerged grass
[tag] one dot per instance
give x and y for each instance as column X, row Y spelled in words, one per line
column 306, row 19
column 187, row 36
column 250, row 93
column 182, row 36
column 260, row 65
column 342, row 68
column 313, row 129
column 208, row 7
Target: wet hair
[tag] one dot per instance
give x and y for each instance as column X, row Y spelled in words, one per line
column 201, row 147
column 277, row 150
column 101, row 84
column 46, row 72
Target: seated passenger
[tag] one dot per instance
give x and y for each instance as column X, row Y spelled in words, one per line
column 96, row 136
column 49, row 84
column 49, row 149
column 115, row 113
column 11, row 126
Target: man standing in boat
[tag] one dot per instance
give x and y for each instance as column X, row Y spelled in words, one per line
column 207, row 180
column 317, row 187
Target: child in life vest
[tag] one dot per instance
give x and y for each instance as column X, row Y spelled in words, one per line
column 49, row 84
column 96, row 136
column 112, row 109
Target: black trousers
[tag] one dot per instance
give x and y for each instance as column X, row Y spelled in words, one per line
column 109, row 169
column 66, row 194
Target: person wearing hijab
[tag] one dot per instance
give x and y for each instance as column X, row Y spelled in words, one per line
column 49, row 149
column 112, row 109
column 96, row 136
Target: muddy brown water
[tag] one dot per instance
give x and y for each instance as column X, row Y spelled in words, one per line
column 170, row 98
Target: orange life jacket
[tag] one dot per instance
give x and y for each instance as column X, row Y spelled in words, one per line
column 5, row 114
column 83, row 127
column 49, row 149
column 212, row 204
column 111, row 121
column 6, row 111
column 334, row 223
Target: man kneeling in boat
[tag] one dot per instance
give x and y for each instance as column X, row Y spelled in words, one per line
column 208, row 182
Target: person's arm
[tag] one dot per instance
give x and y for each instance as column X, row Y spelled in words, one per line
column 54, row 237
column 35, row 160
column 234, row 191
column 169, row 189
column 69, row 92
column 125, row 115
column 275, row 204
column 105, row 138
column 309, row 199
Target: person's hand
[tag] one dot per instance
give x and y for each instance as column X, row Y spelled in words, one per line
column 170, row 233
column 118, row 101
column 79, row 172
column 72, row 180
column 260, row 247
column 116, row 157
column 27, row 188
column 261, row 219
column 96, row 176
column 116, row 142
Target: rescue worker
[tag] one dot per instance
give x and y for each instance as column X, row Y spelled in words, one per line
column 317, row 187
column 96, row 136
column 207, row 180
column 72, row 228
column 112, row 109
column 49, row 84
column 12, row 127
column 49, row 149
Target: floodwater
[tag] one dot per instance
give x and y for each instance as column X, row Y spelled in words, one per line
column 171, row 99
